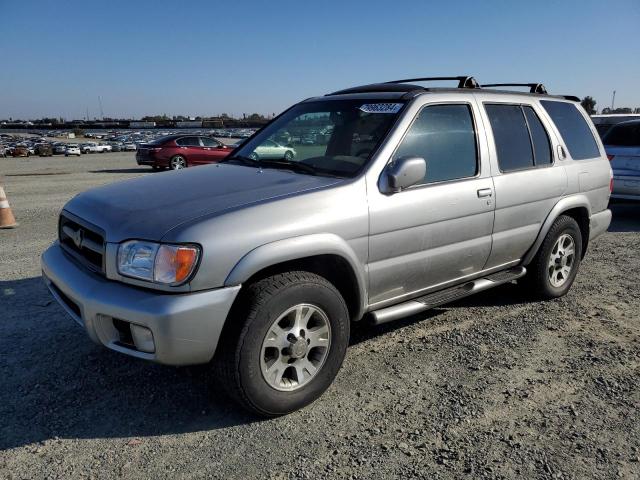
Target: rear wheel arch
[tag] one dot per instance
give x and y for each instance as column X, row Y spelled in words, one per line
column 577, row 208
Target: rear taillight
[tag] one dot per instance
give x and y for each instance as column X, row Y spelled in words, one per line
column 610, row 157
column 156, row 149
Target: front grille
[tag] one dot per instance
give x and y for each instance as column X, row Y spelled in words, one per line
column 84, row 241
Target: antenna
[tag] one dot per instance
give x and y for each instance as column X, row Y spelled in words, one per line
column 613, row 100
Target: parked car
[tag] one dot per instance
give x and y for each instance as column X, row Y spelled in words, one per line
column 95, row 148
column 20, row 151
column 72, row 149
column 44, row 150
column 129, row 147
column 263, row 265
column 59, row 148
column 622, row 143
column 181, row 151
column 271, row 149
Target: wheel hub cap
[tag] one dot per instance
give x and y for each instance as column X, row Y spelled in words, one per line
column 561, row 260
column 295, row 347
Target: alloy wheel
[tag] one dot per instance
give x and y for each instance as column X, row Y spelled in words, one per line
column 295, row 347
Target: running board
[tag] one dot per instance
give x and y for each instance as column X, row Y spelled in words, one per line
column 448, row 295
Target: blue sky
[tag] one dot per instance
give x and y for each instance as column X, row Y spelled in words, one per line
column 205, row 58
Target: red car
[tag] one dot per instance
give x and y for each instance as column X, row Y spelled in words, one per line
column 181, row 151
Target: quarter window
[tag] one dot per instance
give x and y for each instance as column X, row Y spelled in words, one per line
column 574, row 129
column 445, row 137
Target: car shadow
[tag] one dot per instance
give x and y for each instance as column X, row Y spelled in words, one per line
column 57, row 383
column 626, row 216
column 124, row 170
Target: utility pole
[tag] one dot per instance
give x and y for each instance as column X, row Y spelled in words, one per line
column 613, row 100
column 101, row 111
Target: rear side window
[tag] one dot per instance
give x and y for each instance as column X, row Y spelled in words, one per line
column 511, row 135
column 188, row 142
column 574, row 129
column 539, row 138
column 623, row 135
column 445, row 137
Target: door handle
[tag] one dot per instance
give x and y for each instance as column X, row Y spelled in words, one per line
column 484, row 192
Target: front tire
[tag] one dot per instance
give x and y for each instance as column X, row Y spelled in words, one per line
column 284, row 343
column 554, row 269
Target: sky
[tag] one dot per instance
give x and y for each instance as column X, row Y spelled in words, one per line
column 212, row 57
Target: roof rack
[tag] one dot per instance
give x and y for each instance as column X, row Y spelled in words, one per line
column 463, row 81
column 533, row 87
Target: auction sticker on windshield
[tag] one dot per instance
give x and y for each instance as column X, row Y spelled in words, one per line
column 381, row 107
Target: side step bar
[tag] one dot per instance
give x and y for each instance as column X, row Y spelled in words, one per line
column 448, row 295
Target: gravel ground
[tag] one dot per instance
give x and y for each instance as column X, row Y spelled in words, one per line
column 494, row 386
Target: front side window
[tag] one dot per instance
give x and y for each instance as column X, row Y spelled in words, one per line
column 573, row 128
column 209, row 142
column 326, row 137
column 445, row 137
column 188, row 142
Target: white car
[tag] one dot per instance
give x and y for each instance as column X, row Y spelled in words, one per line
column 95, row 148
column 72, row 149
column 129, row 147
column 272, row 150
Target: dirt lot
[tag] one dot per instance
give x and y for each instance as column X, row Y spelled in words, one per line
column 492, row 387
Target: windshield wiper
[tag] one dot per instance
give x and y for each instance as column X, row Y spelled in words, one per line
column 244, row 160
column 291, row 165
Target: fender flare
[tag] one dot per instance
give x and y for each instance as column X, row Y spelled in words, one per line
column 296, row 248
column 564, row 204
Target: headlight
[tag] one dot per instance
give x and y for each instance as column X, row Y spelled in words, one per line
column 160, row 263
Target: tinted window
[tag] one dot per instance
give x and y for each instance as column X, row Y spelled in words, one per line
column 574, row 129
column 209, row 142
column 541, row 145
column 444, row 136
column 188, row 142
column 511, row 136
column 623, row 135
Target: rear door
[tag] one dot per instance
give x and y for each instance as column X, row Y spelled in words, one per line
column 528, row 181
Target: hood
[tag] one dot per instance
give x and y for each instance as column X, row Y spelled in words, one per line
column 148, row 207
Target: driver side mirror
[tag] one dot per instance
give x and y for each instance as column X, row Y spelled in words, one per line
column 403, row 173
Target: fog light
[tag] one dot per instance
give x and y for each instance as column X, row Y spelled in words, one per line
column 142, row 338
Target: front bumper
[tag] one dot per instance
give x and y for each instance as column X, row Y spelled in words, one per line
column 185, row 327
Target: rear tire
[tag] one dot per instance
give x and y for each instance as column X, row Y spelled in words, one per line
column 178, row 162
column 554, row 268
column 266, row 367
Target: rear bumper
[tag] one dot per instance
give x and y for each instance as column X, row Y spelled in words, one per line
column 626, row 187
column 185, row 327
column 599, row 223
column 145, row 160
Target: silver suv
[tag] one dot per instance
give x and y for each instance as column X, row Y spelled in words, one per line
column 398, row 198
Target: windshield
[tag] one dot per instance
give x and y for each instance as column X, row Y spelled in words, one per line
column 331, row 137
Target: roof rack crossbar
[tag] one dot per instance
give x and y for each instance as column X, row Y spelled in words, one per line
column 533, row 87
column 463, row 81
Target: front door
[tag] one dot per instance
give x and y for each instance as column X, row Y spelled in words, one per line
column 439, row 230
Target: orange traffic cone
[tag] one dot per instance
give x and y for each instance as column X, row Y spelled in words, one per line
column 7, row 220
